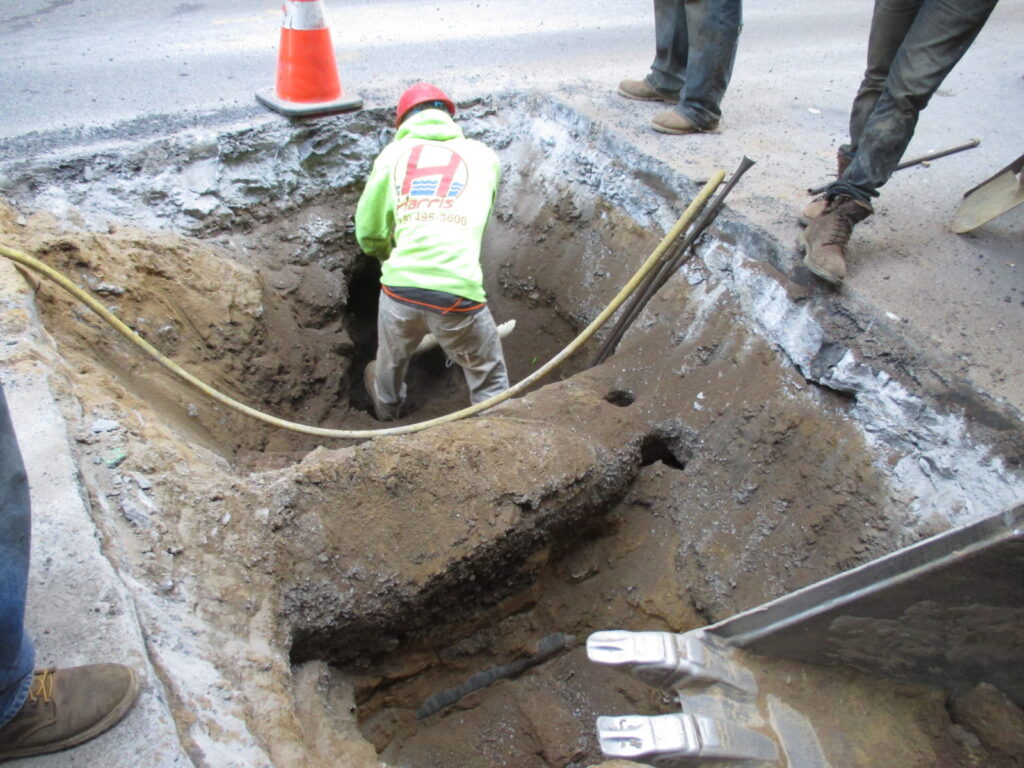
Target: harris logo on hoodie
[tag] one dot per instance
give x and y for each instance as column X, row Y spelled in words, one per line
column 429, row 176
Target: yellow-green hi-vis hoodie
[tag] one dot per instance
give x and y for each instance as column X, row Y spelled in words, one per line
column 426, row 204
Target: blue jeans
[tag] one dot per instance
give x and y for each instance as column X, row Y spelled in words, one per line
column 695, row 47
column 912, row 46
column 16, row 653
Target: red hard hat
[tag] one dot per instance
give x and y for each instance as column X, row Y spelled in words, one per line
column 420, row 93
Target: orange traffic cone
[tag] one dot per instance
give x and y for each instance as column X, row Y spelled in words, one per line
column 307, row 75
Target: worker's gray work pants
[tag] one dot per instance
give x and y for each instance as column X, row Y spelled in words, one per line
column 912, row 46
column 471, row 340
column 695, row 48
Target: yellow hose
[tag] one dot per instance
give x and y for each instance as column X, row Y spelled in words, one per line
column 359, row 434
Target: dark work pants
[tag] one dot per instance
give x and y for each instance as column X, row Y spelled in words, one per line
column 16, row 653
column 912, row 46
column 695, row 47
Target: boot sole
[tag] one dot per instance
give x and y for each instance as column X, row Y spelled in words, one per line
column 109, row 721
column 682, row 131
column 675, row 131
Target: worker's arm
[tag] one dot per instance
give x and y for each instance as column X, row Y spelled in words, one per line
column 375, row 214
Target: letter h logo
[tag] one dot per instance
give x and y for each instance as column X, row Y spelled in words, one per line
column 432, row 180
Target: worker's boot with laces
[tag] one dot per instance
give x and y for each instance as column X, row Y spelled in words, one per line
column 825, row 238
column 66, row 707
column 816, row 207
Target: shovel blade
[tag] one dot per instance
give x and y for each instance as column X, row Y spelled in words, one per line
column 991, row 198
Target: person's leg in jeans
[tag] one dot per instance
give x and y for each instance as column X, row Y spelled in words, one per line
column 939, row 36
column 713, row 27
column 16, row 653
column 695, row 45
column 890, row 22
column 53, row 709
column 473, row 342
column 668, row 71
column 671, row 48
column 695, row 52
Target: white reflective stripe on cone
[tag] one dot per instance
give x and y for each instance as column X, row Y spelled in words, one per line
column 303, row 14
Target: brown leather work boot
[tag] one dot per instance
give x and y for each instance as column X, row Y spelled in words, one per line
column 66, row 707
column 674, row 123
column 816, row 207
column 813, row 210
column 640, row 90
column 825, row 238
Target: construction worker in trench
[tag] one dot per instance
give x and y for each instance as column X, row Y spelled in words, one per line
column 423, row 213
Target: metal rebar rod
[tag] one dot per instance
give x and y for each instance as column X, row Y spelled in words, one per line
column 916, row 161
column 673, row 259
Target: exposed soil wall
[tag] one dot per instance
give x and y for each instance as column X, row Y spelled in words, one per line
column 751, row 436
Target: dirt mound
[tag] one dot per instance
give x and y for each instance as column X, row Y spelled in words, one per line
column 207, row 312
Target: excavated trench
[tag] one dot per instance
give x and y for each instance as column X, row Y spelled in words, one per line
column 752, row 435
